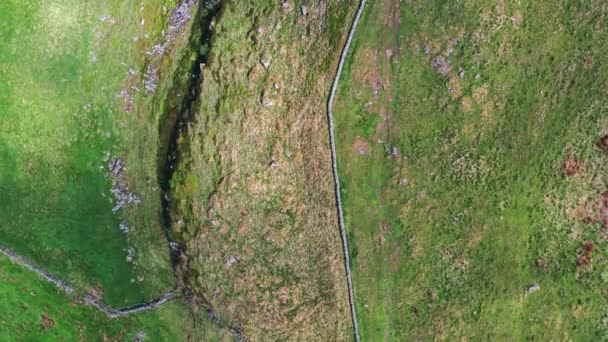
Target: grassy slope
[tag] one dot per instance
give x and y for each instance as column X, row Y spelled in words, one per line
column 56, row 200
column 447, row 233
column 26, row 301
column 261, row 237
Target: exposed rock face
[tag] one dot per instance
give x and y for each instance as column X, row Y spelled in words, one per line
column 151, row 79
column 179, row 18
column 120, row 187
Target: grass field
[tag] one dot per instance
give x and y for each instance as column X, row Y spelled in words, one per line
column 468, row 151
column 252, row 196
column 62, row 64
column 31, row 309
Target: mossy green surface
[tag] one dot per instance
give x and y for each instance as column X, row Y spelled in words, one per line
column 62, row 62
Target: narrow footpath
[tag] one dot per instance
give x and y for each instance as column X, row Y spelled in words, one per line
column 332, row 140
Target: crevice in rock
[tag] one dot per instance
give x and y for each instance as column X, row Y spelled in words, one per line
column 177, row 119
column 173, row 128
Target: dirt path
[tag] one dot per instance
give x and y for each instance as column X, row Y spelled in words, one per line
column 332, row 140
column 69, row 288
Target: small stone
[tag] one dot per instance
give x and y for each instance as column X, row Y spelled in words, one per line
column 273, row 163
column 124, row 227
column 130, row 254
column 265, row 101
column 461, row 73
column 231, row 260
column 265, row 60
column 394, row 151
column 106, row 18
column 531, row 289
column 267, row 104
column 140, row 337
column 304, row 10
column 441, row 65
column 158, row 50
column 388, row 53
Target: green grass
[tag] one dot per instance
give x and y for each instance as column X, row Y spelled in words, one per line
column 60, row 68
column 25, row 299
column 485, row 197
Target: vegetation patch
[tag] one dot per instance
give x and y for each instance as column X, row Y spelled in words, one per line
column 478, row 212
column 32, row 309
column 80, row 140
column 252, row 204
